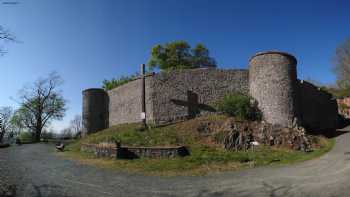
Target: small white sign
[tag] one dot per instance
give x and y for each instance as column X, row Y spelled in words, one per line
column 143, row 115
column 255, row 143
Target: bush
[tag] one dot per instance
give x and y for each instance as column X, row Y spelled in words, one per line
column 240, row 106
column 45, row 135
column 26, row 137
column 113, row 83
column 343, row 107
column 337, row 92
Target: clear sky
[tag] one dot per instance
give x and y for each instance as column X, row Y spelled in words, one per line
column 87, row 41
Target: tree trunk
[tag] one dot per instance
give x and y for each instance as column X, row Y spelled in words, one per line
column 38, row 127
column 37, row 134
column 1, row 135
column 37, row 137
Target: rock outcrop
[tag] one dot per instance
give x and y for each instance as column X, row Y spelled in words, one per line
column 242, row 135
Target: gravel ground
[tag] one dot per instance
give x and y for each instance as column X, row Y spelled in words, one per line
column 7, row 179
column 38, row 172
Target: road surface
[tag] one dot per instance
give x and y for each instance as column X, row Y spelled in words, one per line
column 39, row 172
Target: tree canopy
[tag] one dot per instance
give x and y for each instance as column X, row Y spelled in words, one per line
column 115, row 82
column 40, row 103
column 179, row 55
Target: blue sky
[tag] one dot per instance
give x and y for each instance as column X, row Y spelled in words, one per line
column 87, row 41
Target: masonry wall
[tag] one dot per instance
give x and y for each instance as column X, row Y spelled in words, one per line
column 95, row 110
column 317, row 110
column 168, row 95
column 272, row 82
column 125, row 102
column 190, row 93
column 124, row 152
column 182, row 94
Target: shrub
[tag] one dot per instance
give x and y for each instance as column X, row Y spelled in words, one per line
column 26, row 136
column 113, row 83
column 337, row 92
column 240, row 106
column 343, row 107
column 47, row 135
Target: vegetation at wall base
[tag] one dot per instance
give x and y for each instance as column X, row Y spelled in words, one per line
column 205, row 157
column 239, row 105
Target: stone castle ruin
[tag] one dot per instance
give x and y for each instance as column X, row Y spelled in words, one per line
column 271, row 79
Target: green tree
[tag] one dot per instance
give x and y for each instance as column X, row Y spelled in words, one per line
column 16, row 123
column 179, row 55
column 41, row 103
column 115, row 82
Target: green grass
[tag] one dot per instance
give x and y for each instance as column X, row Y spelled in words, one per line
column 129, row 134
column 205, row 157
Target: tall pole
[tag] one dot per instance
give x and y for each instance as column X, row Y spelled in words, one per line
column 143, row 96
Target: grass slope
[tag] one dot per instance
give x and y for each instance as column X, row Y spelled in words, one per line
column 205, row 157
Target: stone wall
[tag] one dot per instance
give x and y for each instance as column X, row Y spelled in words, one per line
column 125, row 152
column 317, row 109
column 95, row 110
column 190, row 93
column 272, row 82
column 125, row 102
column 170, row 96
column 174, row 95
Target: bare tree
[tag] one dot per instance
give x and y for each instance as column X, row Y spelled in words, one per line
column 67, row 133
column 76, row 125
column 342, row 64
column 5, row 119
column 41, row 103
column 5, row 35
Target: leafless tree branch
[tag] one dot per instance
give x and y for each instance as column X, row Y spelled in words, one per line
column 41, row 103
column 5, row 36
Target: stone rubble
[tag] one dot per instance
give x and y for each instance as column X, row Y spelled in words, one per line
column 239, row 135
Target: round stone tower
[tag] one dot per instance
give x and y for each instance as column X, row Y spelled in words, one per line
column 272, row 82
column 95, row 110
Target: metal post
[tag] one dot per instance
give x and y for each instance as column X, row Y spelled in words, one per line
column 143, row 96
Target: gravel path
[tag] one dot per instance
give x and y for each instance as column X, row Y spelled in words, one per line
column 39, row 172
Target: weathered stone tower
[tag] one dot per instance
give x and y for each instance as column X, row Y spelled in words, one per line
column 272, row 82
column 95, row 110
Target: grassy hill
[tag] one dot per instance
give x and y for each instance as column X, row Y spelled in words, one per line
column 206, row 154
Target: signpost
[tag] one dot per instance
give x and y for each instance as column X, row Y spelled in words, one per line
column 1, row 129
column 143, row 97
